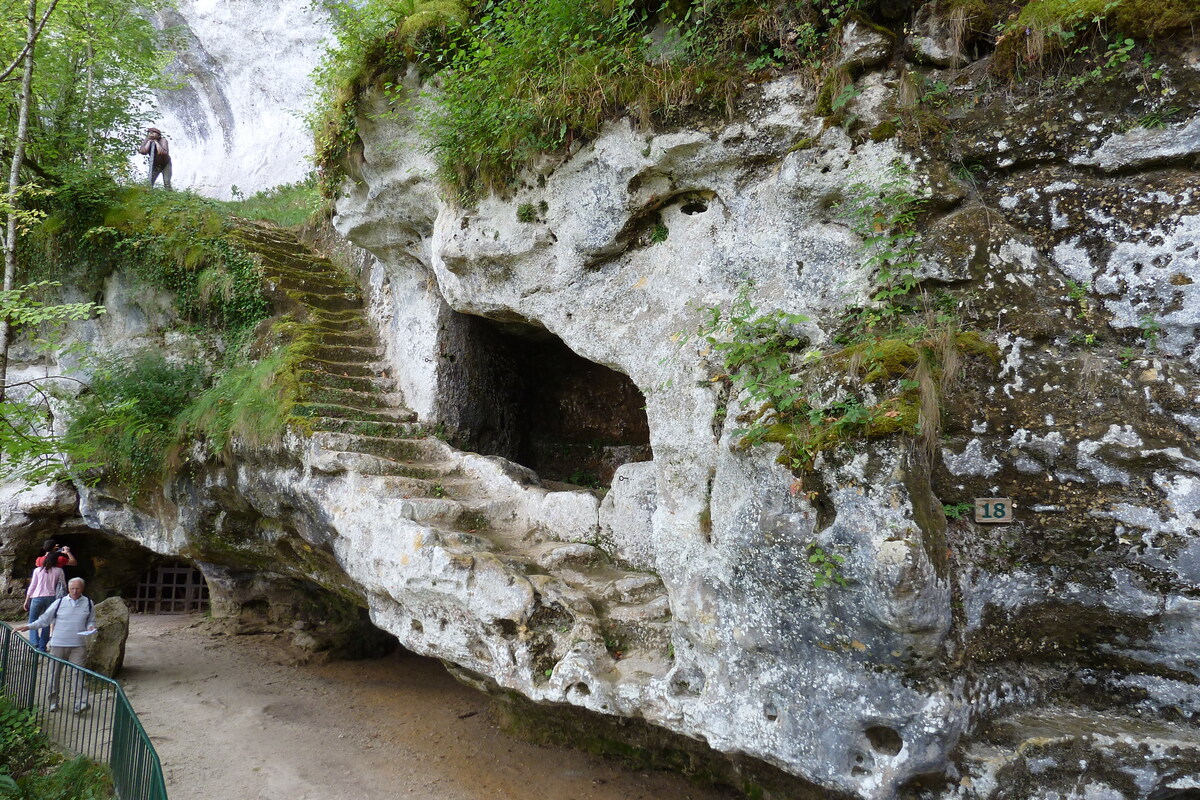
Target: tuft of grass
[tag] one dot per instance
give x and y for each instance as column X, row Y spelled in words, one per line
column 290, row 205
column 252, row 401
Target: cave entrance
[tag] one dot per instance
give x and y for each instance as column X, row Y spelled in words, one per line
column 173, row 587
column 111, row 566
column 515, row 390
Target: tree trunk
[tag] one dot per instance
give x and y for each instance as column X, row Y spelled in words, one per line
column 14, row 181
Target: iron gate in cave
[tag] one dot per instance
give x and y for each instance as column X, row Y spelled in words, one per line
column 171, row 588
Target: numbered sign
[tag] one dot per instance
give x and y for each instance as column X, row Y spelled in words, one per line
column 993, row 509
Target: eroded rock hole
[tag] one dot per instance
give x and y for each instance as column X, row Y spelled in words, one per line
column 694, row 207
column 517, row 391
column 884, row 739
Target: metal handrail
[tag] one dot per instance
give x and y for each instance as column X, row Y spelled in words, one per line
column 105, row 729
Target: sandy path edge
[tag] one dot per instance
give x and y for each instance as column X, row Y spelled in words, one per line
column 233, row 720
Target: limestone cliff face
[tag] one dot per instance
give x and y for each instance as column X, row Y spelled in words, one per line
column 242, row 67
column 1049, row 657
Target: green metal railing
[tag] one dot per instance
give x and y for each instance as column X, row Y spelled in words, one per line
column 92, row 716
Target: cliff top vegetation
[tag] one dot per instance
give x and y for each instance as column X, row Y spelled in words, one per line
column 518, row 79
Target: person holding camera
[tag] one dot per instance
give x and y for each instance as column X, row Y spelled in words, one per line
column 47, row 584
column 156, row 147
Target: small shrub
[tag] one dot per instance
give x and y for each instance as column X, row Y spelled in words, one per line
column 253, row 400
column 957, row 510
column 128, row 417
column 22, row 746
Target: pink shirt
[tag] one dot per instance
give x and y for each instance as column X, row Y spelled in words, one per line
column 44, row 581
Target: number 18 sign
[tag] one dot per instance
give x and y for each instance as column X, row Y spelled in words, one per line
column 993, row 509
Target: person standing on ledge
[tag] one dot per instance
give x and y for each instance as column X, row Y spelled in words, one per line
column 73, row 617
column 155, row 146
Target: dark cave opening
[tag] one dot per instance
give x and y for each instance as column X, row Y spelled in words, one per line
column 515, row 390
column 111, row 566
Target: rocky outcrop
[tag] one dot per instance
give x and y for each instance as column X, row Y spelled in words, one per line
column 106, row 649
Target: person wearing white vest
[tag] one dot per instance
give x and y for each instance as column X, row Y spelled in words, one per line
column 73, row 617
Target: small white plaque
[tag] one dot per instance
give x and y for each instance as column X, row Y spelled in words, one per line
column 993, row 509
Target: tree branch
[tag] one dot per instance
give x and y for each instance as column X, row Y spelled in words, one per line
column 32, row 40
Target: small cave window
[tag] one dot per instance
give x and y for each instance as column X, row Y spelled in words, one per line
column 517, row 391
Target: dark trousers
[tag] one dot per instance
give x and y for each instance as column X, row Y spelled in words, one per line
column 165, row 171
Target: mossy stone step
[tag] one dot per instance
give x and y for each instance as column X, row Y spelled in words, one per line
column 308, row 285
column 314, row 409
column 342, row 324
column 362, row 427
column 349, row 341
column 367, row 354
column 417, row 451
column 328, row 302
column 309, row 268
column 359, row 368
column 331, row 380
column 346, row 397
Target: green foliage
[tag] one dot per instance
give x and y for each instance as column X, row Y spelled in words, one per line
column 756, row 352
column 957, row 510
column 19, row 306
column 22, row 745
column 76, row 779
column 889, row 382
column 659, row 233
column 827, row 567
column 32, row 769
column 143, row 410
column 884, row 215
column 97, row 64
column 289, row 205
column 523, row 78
column 172, row 240
column 1151, row 329
column 585, row 478
column 129, row 416
column 253, row 400
column 370, row 39
column 527, row 212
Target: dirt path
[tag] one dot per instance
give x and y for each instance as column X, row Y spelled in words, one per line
column 232, row 721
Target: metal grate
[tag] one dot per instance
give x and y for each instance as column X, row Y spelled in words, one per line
column 106, row 730
column 171, row 589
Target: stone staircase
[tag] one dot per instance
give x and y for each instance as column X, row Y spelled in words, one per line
column 360, row 425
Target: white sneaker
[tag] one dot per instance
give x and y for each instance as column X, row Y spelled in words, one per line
column 54, row 705
column 81, row 707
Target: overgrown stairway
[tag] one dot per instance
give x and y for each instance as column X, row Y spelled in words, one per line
column 360, row 424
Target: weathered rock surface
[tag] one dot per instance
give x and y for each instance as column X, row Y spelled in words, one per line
column 106, row 648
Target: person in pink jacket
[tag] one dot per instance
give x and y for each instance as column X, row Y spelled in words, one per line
column 42, row 592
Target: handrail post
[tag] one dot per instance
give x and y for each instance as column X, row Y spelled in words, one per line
column 8, row 634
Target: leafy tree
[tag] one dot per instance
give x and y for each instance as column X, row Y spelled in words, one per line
column 85, row 70
column 30, row 448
